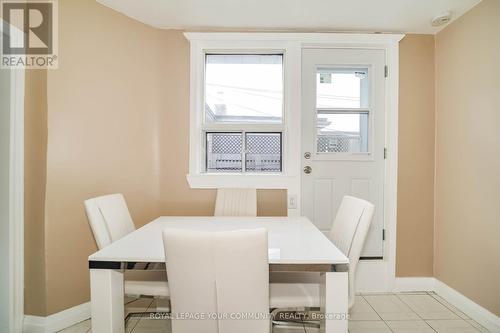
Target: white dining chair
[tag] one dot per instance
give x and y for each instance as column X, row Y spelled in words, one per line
column 219, row 275
column 236, row 202
column 110, row 220
column 348, row 233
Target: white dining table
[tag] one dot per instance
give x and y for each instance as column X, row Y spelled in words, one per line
column 295, row 245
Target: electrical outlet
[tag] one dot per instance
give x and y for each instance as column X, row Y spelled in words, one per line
column 292, row 201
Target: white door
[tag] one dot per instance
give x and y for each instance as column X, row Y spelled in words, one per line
column 343, row 135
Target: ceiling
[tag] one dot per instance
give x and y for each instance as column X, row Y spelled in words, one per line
column 408, row 16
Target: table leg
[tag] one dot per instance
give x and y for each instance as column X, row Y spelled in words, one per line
column 107, row 298
column 334, row 302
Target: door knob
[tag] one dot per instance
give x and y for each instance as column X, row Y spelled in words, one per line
column 307, row 169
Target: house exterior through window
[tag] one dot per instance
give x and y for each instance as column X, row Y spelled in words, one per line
column 243, row 96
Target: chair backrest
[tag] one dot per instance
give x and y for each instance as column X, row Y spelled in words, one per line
column 349, row 231
column 109, row 218
column 236, row 202
column 218, row 274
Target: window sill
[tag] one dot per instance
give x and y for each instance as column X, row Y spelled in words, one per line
column 260, row 181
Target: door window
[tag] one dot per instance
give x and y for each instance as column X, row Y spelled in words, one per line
column 342, row 111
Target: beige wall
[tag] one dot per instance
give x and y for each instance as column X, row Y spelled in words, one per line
column 103, row 107
column 176, row 197
column 118, row 122
column 415, row 224
column 117, row 116
column 35, row 162
column 467, row 244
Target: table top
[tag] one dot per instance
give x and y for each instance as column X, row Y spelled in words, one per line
column 292, row 240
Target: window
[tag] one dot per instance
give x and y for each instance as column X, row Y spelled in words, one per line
column 342, row 108
column 235, row 152
column 263, row 152
column 243, row 97
column 224, row 152
column 242, row 88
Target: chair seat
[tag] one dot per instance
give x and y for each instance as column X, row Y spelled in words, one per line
column 147, row 288
column 293, row 295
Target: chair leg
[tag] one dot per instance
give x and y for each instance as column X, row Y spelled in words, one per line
column 296, row 317
column 162, row 303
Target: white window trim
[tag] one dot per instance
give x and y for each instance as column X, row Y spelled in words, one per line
column 202, row 43
column 351, row 156
column 290, row 179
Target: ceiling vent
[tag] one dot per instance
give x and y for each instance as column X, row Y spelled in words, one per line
column 441, row 19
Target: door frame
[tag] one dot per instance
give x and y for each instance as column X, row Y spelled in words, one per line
column 293, row 44
column 337, row 173
column 16, row 191
column 378, row 275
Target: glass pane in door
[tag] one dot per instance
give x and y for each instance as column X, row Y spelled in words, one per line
column 342, row 132
column 344, row 88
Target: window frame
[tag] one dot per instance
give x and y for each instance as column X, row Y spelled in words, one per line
column 293, row 44
column 240, row 127
column 243, row 52
column 243, row 153
column 367, row 88
column 198, row 177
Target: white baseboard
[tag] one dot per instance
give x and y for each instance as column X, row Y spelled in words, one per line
column 414, row 284
column 34, row 324
column 475, row 311
column 461, row 302
column 74, row 315
column 57, row 321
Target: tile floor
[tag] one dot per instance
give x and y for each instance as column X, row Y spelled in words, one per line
column 372, row 313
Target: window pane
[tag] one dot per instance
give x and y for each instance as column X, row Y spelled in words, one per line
column 224, row 152
column 263, row 152
column 342, row 133
column 244, row 88
column 342, row 88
